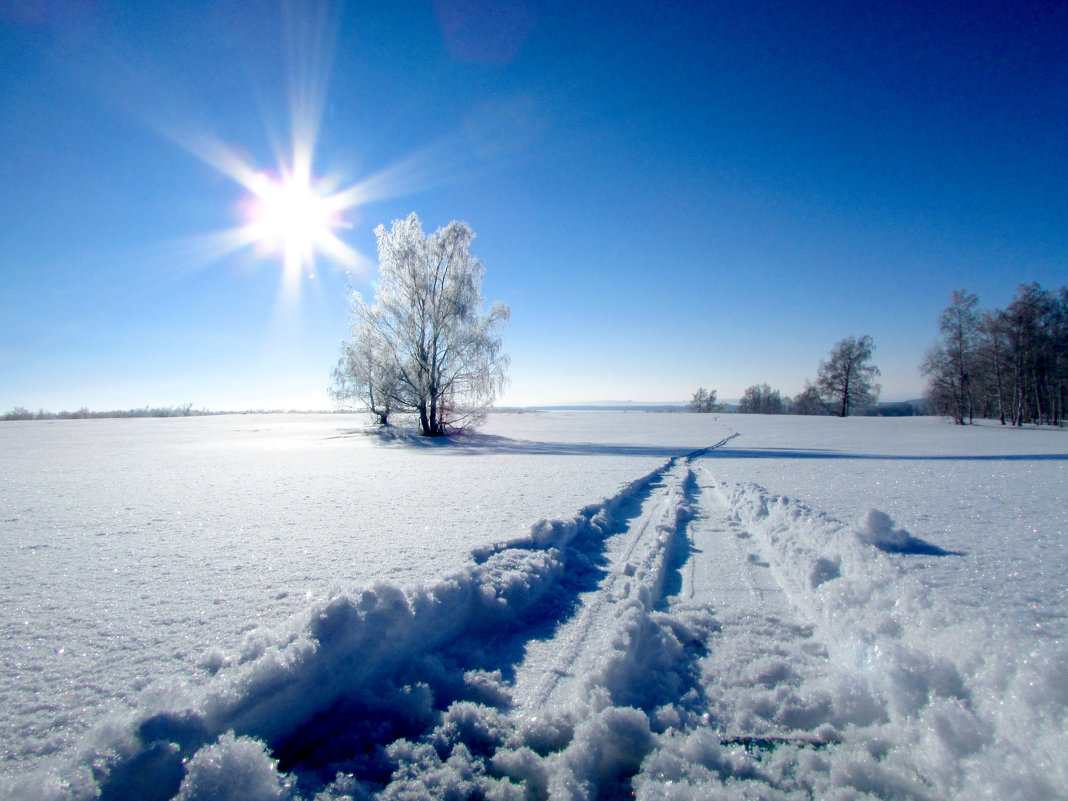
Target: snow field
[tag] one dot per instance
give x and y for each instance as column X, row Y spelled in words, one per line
column 340, row 695
column 145, row 552
column 694, row 635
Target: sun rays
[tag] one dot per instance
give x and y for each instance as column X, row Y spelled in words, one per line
column 293, row 204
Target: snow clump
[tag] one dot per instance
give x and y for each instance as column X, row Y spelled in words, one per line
column 877, row 528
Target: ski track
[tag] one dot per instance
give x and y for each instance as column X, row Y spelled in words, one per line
column 556, row 673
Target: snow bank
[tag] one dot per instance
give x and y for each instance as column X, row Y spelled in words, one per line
column 926, row 699
column 141, row 551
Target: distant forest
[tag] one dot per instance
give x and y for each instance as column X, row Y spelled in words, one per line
column 185, row 410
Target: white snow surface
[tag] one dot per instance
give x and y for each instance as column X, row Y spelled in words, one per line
column 581, row 605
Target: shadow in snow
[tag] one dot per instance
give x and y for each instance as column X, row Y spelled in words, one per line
column 916, row 546
column 492, row 444
column 823, row 453
column 680, row 548
column 477, row 444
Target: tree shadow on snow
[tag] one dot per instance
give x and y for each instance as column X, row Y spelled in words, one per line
column 476, row 444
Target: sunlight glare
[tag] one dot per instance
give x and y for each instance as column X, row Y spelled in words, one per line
column 290, row 215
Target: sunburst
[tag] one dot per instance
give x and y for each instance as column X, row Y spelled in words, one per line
column 289, row 215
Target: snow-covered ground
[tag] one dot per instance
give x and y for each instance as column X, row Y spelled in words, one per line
column 567, row 605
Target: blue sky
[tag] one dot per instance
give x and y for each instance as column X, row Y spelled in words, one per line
column 667, row 195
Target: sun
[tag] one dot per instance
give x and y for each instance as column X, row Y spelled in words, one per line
column 290, row 216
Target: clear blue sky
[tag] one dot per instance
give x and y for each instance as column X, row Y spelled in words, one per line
column 667, row 195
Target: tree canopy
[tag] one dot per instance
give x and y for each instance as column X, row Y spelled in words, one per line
column 761, row 399
column 703, row 401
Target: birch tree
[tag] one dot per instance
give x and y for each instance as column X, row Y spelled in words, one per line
column 703, row 401
column 951, row 366
column 1009, row 364
column 846, row 381
column 424, row 347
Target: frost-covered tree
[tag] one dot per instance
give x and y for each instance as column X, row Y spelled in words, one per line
column 704, row 400
column 424, row 347
column 761, row 399
column 364, row 374
column 846, row 381
column 951, row 366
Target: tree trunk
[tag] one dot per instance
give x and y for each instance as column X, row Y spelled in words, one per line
column 1001, row 389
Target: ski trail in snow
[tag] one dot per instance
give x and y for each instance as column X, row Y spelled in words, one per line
column 764, row 648
column 557, row 673
column 730, row 576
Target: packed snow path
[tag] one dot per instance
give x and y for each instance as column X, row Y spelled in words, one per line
column 761, row 640
column 556, row 673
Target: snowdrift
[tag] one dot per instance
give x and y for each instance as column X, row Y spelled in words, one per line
column 921, row 698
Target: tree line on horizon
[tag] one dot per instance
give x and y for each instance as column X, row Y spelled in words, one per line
column 184, row 410
column 1002, row 364
column 845, row 384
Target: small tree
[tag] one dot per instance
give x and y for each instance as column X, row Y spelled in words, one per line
column 761, row 399
column 951, row 366
column 424, row 347
column 808, row 401
column 363, row 374
column 845, row 382
column 704, row 401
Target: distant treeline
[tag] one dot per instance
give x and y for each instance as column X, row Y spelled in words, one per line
column 762, row 399
column 1007, row 364
column 185, row 410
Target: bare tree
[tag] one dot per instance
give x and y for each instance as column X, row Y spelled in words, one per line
column 808, row 401
column 1011, row 364
column 761, row 399
column 1031, row 331
column 424, row 347
column 704, row 400
column 845, row 382
column 951, row 365
column 992, row 361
